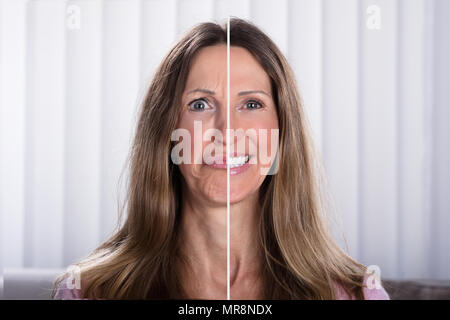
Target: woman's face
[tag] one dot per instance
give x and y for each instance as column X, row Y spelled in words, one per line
column 253, row 120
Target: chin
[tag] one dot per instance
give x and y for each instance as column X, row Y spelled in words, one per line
column 244, row 186
column 238, row 194
column 236, row 198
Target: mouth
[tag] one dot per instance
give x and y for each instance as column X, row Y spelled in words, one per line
column 238, row 161
column 235, row 162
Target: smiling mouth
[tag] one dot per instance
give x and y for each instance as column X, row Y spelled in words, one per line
column 235, row 162
column 238, row 161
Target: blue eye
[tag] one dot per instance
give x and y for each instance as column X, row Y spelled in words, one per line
column 253, row 104
column 198, row 105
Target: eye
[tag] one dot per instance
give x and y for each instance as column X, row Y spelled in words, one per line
column 253, row 104
column 199, row 105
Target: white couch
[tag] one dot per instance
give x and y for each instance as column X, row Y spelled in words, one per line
column 27, row 284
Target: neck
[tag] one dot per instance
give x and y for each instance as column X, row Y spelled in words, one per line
column 203, row 235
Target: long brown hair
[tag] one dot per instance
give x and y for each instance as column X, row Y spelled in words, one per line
column 301, row 259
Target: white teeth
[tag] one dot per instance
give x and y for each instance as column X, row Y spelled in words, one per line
column 238, row 161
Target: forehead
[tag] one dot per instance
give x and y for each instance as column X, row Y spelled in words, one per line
column 209, row 69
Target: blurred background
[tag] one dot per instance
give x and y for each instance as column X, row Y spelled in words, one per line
column 375, row 80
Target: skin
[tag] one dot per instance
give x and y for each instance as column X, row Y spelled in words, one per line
column 204, row 211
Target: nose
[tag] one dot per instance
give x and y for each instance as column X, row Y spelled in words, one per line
column 220, row 123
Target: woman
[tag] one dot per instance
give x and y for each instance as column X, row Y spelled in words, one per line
column 173, row 243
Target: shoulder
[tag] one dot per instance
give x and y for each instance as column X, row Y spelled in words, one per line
column 376, row 294
column 67, row 291
column 372, row 290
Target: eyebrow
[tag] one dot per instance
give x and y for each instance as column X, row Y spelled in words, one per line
column 242, row 93
column 207, row 91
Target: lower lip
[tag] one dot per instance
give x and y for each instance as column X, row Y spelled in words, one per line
column 233, row 171
column 240, row 169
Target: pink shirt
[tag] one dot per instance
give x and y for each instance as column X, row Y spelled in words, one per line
column 371, row 292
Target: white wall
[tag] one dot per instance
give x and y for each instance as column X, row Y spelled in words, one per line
column 378, row 102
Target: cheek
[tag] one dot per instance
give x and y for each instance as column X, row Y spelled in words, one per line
column 260, row 119
column 264, row 143
column 188, row 173
column 265, row 125
column 202, row 133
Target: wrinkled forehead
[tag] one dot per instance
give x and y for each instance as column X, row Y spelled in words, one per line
column 209, row 70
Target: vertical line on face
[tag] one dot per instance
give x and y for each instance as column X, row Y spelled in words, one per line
column 228, row 158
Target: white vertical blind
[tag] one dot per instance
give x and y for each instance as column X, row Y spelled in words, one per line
column 340, row 111
column 191, row 12
column 156, row 15
column 377, row 99
column 83, row 105
column 120, row 86
column 12, row 131
column 305, row 56
column 378, row 139
column 236, row 8
column 440, row 184
column 271, row 17
column 412, row 222
column 45, row 133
